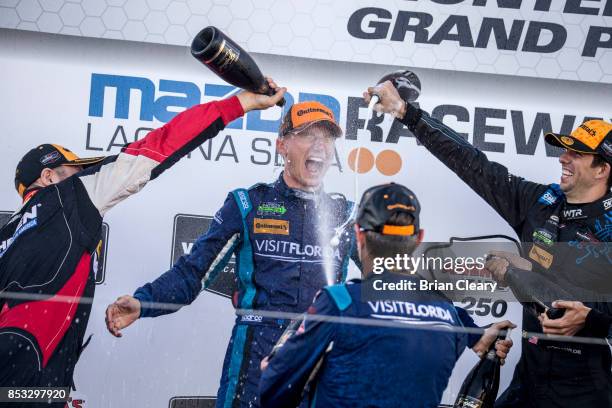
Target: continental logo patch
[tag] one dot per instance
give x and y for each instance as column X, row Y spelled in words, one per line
column 541, row 256
column 269, row 226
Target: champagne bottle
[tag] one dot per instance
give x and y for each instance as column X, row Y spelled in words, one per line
column 229, row 61
column 290, row 330
column 479, row 390
column 536, row 293
column 406, row 82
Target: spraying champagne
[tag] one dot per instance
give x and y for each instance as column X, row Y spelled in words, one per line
column 408, row 86
column 229, row 61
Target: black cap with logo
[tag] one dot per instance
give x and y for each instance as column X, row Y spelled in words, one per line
column 379, row 203
column 46, row 156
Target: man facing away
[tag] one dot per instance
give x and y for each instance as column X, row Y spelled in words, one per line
column 382, row 349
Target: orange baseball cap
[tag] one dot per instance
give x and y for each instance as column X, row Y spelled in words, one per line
column 592, row 137
column 303, row 114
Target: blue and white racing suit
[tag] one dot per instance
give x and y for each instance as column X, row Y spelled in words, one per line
column 280, row 238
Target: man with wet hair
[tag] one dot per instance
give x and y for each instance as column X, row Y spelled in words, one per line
column 280, row 234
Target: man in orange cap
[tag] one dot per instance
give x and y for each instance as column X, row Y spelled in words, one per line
column 49, row 247
column 566, row 234
column 280, row 234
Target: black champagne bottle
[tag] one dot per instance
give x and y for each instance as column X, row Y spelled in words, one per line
column 406, row 82
column 408, row 87
column 229, row 61
column 479, row 390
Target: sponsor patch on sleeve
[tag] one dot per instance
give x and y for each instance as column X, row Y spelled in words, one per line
column 548, row 198
column 541, row 256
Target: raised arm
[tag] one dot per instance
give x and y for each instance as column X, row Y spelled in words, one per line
column 182, row 284
column 509, row 195
column 120, row 176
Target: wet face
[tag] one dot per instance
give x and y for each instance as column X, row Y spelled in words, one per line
column 308, row 155
column 577, row 173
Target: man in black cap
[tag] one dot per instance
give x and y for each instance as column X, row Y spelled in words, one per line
column 49, row 248
column 404, row 350
column 566, row 234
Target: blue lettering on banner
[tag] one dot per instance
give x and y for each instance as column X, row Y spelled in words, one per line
column 149, row 106
column 182, row 95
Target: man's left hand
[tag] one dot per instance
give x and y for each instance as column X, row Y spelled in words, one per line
column 502, row 347
column 572, row 321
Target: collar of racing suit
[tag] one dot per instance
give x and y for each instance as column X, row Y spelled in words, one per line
column 27, row 196
column 287, row 191
column 587, row 210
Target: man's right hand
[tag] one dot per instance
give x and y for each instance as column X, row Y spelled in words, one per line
column 502, row 346
column 122, row 313
column 514, row 259
column 390, row 100
column 252, row 101
column 499, row 262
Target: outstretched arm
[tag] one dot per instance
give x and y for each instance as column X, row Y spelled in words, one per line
column 181, row 285
column 119, row 176
column 509, row 195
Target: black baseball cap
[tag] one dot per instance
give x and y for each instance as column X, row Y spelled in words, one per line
column 46, row 156
column 379, row 203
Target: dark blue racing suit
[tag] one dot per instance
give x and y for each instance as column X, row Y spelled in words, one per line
column 280, row 238
column 403, row 359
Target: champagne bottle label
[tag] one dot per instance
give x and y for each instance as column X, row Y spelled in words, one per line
column 466, row 401
column 225, row 57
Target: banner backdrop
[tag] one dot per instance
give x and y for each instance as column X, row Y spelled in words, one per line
column 565, row 39
column 94, row 95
